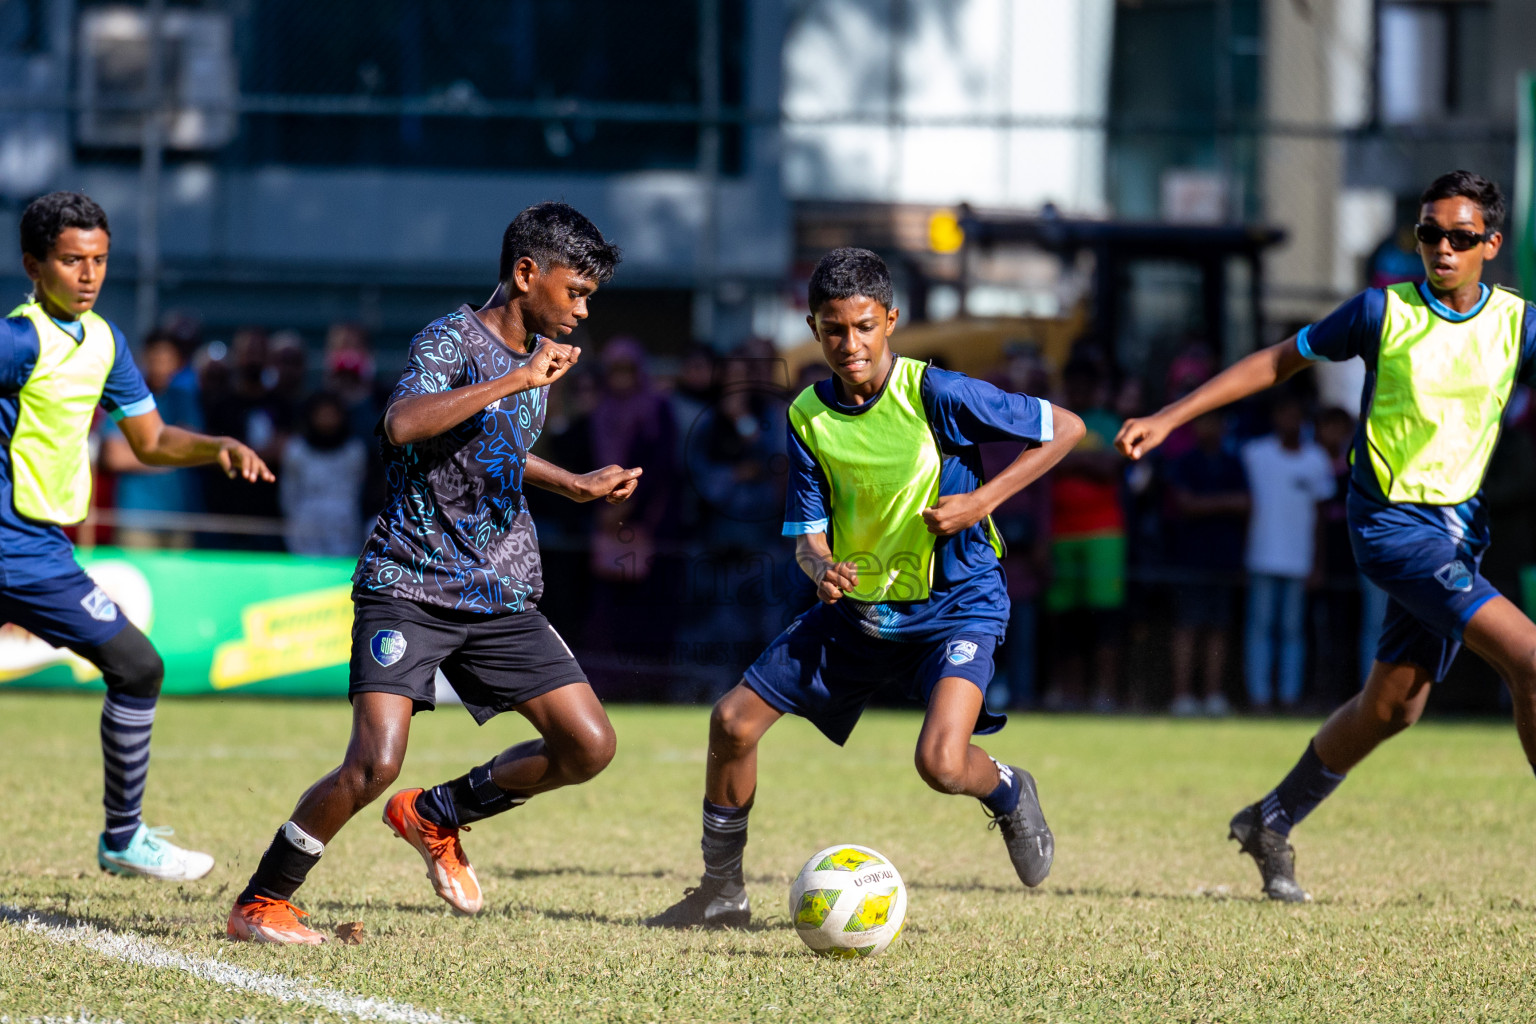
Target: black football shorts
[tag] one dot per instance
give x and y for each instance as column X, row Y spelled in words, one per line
column 494, row 663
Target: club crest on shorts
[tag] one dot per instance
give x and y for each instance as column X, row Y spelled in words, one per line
column 960, row 651
column 387, row 646
column 99, row 605
column 1454, row 576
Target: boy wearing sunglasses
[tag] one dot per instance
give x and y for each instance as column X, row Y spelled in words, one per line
column 1442, row 358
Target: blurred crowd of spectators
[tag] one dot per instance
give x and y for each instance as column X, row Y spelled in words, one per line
column 1215, row 575
column 314, row 428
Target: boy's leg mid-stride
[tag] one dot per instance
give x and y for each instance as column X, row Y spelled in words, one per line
column 891, row 521
column 450, row 579
column 1444, row 356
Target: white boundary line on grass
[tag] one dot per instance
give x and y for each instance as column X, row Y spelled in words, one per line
column 134, row 949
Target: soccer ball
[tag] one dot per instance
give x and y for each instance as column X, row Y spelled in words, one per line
column 848, row 901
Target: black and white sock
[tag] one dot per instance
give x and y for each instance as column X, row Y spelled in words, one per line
column 125, row 727
column 724, row 842
column 291, row 856
column 467, row 799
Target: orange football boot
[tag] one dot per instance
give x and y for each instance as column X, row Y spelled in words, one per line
column 269, row 920
column 447, row 867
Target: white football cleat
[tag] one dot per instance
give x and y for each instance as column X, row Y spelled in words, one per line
column 151, row 855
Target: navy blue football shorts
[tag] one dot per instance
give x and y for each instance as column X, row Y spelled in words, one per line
column 493, row 662
column 824, row 669
column 67, row 611
column 1432, row 573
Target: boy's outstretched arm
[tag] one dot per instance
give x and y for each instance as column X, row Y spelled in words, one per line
column 1248, row 376
column 955, row 512
column 614, row 484
column 157, row 443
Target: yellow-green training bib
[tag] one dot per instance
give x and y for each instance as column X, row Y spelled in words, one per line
column 50, row 455
column 1441, row 388
column 882, row 465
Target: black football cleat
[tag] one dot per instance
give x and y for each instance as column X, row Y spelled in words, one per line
column 1272, row 852
column 710, row 904
column 1031, row 846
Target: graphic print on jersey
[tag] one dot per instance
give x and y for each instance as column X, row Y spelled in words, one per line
column 455, row 531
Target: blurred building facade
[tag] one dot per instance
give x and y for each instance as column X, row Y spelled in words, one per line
column 337, row 159
column 341, row 159
column 1323, row 118
column 998, row 103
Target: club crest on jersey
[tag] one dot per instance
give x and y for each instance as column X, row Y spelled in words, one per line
column 1454, row 576
column 387, row 646
column 960, row 651
column 99, row 605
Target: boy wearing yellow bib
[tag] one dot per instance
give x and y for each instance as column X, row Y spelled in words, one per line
column 890, row 513
column 1442, row 359
column 59, row 360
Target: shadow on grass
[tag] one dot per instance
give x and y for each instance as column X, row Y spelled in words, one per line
column 578, row 871
column 1104, row 892
column 433, row 908
column 963, row 887
column 523, row 874
column 1219, row 894
column 594, row 917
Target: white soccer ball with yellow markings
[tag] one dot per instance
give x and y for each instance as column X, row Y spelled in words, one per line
column 848, row 901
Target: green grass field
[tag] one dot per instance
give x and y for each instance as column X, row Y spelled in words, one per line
column 1421, row 865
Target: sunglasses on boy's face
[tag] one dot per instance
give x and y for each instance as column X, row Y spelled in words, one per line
column 1461, row 239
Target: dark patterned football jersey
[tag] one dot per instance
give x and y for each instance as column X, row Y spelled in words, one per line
column 455, row 530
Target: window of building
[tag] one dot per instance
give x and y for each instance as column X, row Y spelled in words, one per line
column 1432, row 59
column 319, row 72
column 1191, row 116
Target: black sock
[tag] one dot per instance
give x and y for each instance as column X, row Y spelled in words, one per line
column 1005, row 797
column 725, row 839
column 467, row 799
column 1299, row 793
column 290, row 857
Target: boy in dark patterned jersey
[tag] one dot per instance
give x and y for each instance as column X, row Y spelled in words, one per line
column 450, row 578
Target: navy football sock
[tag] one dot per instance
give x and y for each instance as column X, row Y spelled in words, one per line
column 1005, row 797
column 282, row 869
column 1299, row 793
column 125, row 726
column 467, row 799
column 724, row 842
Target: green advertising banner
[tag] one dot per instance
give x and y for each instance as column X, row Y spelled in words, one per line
column 1525, row 190
column 224, row 622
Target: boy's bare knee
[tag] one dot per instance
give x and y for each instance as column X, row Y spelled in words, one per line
column 730, row 731
column 586, row 759
column 1406, row 714
column 941, row 769
column 1391, row 717
column 368, row 778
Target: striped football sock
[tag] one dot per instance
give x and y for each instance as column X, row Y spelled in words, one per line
column 725, row 840
column 125, row 725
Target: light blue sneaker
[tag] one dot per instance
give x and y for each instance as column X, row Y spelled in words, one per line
column 150, row 855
